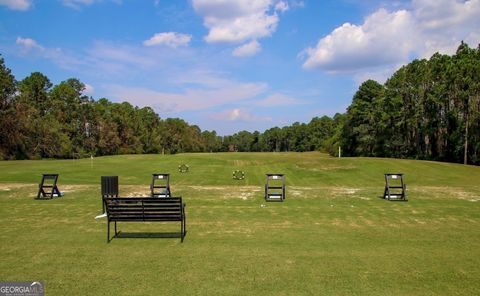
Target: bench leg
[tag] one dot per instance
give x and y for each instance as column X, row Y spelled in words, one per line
column 181, row 231
column 184, row 227
column 116, row 228
column 108, row 231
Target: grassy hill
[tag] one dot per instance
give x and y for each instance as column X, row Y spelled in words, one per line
column 332, row 236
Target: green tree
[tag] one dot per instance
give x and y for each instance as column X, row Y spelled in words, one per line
column 361, row 129
column 9, row 137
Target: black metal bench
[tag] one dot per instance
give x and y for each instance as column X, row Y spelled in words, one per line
column 145, row 209
column 48, row 187
column 395, row 188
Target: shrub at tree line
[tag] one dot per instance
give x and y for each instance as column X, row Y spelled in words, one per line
column 428, row 109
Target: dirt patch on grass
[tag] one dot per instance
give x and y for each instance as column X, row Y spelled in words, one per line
column 344, row 191
column 13, row 186
column 323, row 167
column 445, row 192
column 134, row 190
column 241, row 162
column 330, row 192
column 228, row 192
column 63, row 188
column 209, row 188
column 72, row 188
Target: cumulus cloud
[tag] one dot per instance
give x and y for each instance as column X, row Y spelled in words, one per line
column 247, row 50
column 170, row 39
column 17, row 4
column 28, row 44
column 236, row 21
column 388, row 38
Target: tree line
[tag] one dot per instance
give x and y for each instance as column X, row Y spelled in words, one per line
column 42, row 120
column 428, row 109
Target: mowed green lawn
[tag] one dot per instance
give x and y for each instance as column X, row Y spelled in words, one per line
column 333, row 235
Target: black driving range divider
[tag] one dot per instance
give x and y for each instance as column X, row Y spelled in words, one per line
column 238, row 175
column 275, row 187
column 48, row 187
column 109, row 188
column 160, row 185
column 395, row 188
column 183, row 168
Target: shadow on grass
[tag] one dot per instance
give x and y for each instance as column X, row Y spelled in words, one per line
column 47, row 198
column 149, row 234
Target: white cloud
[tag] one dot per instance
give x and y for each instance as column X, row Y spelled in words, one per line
column 170, row 39
column 247, row 50
column 17, row 4
column 391, row 38
column 238, row 114
column 236, row 21
column 28, row 44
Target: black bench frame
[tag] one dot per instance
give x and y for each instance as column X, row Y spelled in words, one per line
column 160, row 190
column 145, row 209
column 395, row 192
column 47, row 190
column 275, row 193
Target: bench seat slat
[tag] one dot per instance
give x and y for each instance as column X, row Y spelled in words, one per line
column 128, row 219
column 146, row 218
column 113, row 210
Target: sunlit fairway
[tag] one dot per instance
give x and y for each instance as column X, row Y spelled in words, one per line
column 333, row 235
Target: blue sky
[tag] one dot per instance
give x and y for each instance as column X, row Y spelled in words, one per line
column 229, row 65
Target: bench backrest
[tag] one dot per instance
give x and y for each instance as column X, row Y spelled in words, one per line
column 144, row 209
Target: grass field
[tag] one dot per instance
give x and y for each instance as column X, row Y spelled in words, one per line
column 333, row 235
